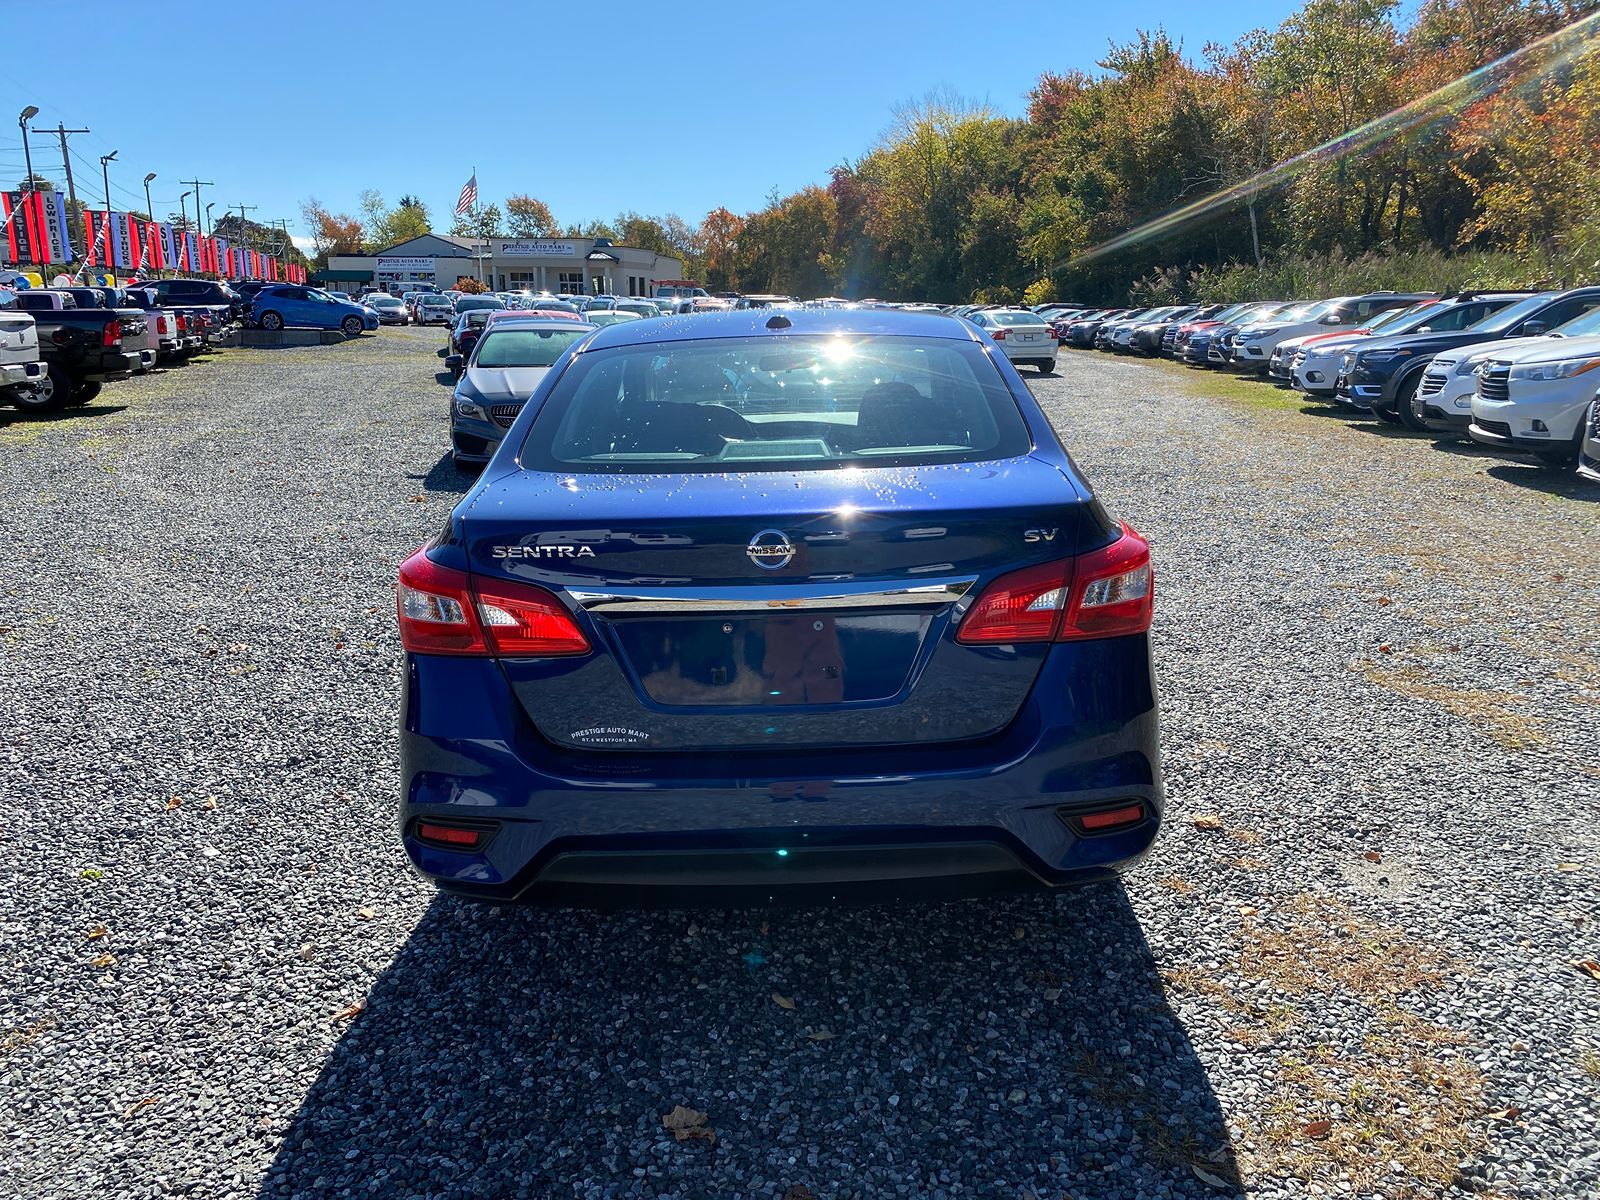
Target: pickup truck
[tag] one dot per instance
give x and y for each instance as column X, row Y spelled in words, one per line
column 147, row 344
column 20, row 368
column 217, row 300
column 177, row 342
column 81, row 347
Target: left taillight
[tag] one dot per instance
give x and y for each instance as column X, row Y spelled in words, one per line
column 1107, row 592
column 444, row 611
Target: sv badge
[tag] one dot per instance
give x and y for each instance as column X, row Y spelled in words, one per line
column 1040, row 535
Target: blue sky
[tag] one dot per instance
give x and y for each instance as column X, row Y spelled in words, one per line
column 673, row 107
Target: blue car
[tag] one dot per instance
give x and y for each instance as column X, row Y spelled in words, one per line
column 286, row 304
column 760, row 606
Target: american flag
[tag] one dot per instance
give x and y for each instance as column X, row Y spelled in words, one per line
column 468, row 199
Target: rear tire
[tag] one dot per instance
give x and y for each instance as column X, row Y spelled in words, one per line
column 83, row 393
column 1045, row 368
column 47, row 396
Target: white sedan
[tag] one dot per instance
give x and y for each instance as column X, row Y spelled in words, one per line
column 1025, row 336
column 435, row 310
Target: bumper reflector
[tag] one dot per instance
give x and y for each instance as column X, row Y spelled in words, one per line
column 453, row 837
column 1111, row 818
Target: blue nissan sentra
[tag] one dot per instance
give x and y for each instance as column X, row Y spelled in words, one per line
column 761, row 606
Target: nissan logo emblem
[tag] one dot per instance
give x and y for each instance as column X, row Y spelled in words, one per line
column 770, row 549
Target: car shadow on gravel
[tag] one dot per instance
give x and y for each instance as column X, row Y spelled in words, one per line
column 1006, row 1046
column 1567, row 483
column 445, row 476
column 9, row 417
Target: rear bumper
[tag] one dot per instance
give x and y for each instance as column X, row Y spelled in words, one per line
column 20, row 374
column 641, row 828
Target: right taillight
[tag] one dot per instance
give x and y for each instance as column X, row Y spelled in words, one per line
column 444, row 611
column 1107, row 592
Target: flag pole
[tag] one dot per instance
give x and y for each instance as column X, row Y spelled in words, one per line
column 475, row 254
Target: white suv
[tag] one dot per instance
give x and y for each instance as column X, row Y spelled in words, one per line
column 1314, row 358
column 1255, row 343
column 1531, row 399
column 1443, row 401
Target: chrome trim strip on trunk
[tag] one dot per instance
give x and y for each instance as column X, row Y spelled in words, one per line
column 762, row 598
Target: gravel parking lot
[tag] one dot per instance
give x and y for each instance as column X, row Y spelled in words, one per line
column 1348, row 970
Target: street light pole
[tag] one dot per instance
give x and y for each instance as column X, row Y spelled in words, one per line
column 27, row 156
column 149, row 206
column 28, row 114
column 105, row 174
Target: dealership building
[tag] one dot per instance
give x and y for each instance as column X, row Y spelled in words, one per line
column 576, row 266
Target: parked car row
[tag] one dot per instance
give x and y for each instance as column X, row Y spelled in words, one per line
column 1508, row 369
column 60, row 346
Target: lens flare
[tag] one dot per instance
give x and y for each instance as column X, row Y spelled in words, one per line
column 1519, row 69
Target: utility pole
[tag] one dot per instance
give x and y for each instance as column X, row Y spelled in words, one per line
column 197, row 184
column 244, row 235
column 62, row 132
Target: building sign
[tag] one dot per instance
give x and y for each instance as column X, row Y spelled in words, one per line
column 400, row 265
column 535, row 248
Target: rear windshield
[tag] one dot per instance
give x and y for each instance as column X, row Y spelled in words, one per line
column 467, row 303
column 507, row 347
column 777, row 404
column 1018, row 318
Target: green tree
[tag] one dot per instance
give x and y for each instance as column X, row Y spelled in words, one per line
column 528, row 217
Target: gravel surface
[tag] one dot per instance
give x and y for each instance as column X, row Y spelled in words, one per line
column 1346, row 971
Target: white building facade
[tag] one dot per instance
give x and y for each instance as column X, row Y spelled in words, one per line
column 570, row 266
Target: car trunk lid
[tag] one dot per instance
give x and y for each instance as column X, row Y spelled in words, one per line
column 809, row 608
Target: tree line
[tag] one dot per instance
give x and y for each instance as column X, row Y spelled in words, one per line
column 957, row 201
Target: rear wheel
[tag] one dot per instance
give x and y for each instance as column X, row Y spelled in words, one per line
column 1045, row 367
column 85, row 391
column 352, row 326
column 47, row 396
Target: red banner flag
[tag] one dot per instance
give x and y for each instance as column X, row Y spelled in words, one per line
column 136, row 247
column 38, row 231
column 154, row 255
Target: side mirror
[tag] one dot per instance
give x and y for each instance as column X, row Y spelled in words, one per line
column 454, row 362
column 1333, row 318
column 1534, row 328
